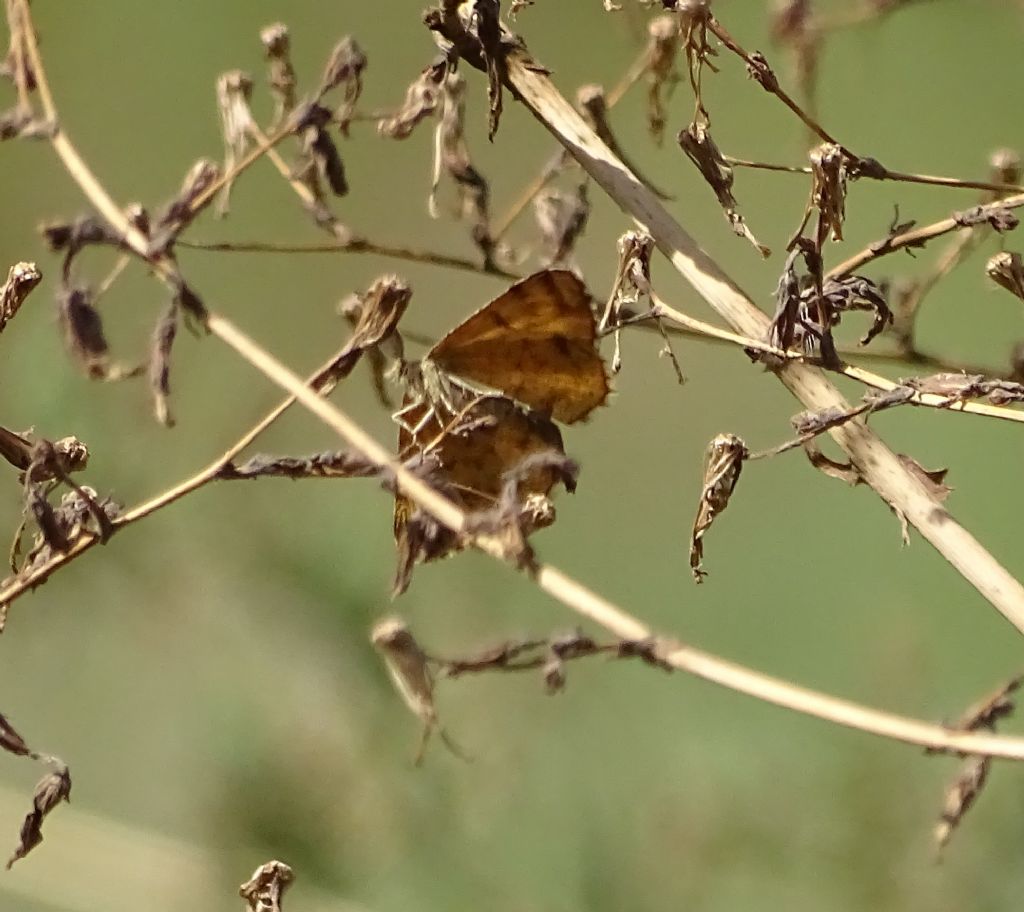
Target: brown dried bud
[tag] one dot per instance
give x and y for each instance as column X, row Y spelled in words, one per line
column 722, row 465
column 265, row 890
column 421, row 100
column 83, row 331
column 21, row 279
column 344, row 66
column 1006, row 269
column 183, row 208
column 50, row 791
column 277, row 46
column 234, row 90
column 828, row 167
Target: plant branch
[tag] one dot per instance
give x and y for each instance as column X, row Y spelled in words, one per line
column 918, row 237
column 552, row 580
column 879, row 466
column 355, row 245
column 885, row 174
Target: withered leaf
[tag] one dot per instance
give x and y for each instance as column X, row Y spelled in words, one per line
column 960, row 796
column 21, row 279
column 78, row 514
column 964, row 790
column 934, row 481
column 276, row 43
column 51, row 790
column 264, row 891
column 10, row 740
column 511, row 520
column 409, row 669
column 160, row 363
column 844, row 471
column 1006, row 269
column 535, row 343
column 83, row 331
column 593, row 106
column 723, row 463
column 660, row 66
column 695, row 140
column 999, row 218
column 420, row 102
column 452, row 158
column 345, row 68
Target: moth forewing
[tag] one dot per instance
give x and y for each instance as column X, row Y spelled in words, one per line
column 723, row 463
column 536, row 343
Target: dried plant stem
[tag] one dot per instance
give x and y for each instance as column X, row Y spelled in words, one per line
column 916, row 237
column 817, row 129
column 356, row 245
column 553, row 581
column 569, row 591
column 879, row 466
column 603, row 612
column 861, row 375
column 552, row 165
column 706, row 330
column 930, row 179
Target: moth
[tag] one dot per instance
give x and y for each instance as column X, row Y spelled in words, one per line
column 536, row 343
column 483, row 401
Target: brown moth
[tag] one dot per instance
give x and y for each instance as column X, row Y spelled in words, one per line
column 471, row 455
column 535, row 343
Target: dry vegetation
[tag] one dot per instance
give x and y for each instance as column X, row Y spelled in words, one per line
column 480, row 417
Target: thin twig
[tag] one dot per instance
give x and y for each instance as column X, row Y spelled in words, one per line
column 886, row 174
column 355, row 245
column 917, row 237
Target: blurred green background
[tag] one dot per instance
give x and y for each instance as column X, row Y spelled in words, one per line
column 208, row 675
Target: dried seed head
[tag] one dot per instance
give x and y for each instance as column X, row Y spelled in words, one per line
column 344, row 67
column 276, row 40
column 277, row 47
column 190, row 201
column 21, row 279
column 828, row 167
column 421, row 100
column 265, row 890
column 660, row 66
column 1006, row 269
column 83, row 331
column 234, row 90
column 722, row 465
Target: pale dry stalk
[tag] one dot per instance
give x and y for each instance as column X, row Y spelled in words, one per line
column 878, row 465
